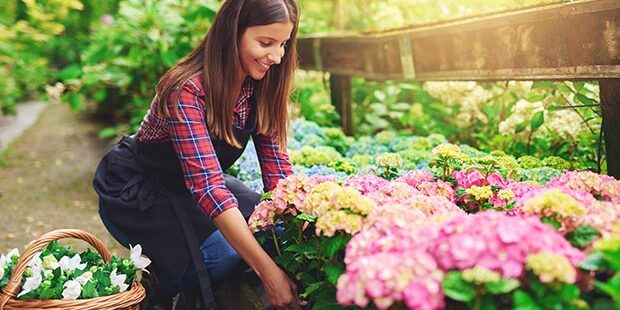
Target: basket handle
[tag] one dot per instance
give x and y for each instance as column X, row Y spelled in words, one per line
column 12, row 288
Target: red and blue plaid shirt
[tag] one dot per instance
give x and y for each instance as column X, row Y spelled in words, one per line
column 192, row 142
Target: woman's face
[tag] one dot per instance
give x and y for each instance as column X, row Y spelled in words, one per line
column 261, row 47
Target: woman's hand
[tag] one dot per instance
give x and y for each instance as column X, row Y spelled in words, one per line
column 281, row 291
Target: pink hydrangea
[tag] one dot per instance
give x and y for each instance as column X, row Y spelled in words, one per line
column 467, row 179
column 603, row 186
column 603, row 215
column 393, row 193
column 388, row 264
column 263, row 216
column 497, row 242
column 415, row 177
column 365, row 183
column 437, row 188
column 389, row 277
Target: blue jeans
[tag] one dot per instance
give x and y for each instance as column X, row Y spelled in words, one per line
column 220, row 258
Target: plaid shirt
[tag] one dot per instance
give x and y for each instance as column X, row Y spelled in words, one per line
column 192, row 142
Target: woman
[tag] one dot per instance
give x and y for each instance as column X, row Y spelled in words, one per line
column 165, row 188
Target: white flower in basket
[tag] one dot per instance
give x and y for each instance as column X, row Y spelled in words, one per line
column 119, row 280
column 72, row 290
column 139, row 261
column 67, row 264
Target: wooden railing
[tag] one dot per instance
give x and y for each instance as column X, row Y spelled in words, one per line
column 567, row 42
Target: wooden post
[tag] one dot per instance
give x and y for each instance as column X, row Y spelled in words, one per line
column 340, row 87
column 610, row 107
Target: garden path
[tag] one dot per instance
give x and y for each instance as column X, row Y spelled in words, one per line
column 46, row 177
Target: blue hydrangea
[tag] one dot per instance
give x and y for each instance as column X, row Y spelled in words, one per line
column 302, row 128
column 325, row 171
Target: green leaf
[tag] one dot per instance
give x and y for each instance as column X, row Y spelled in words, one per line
column 502, row 286
column 311, row 288
column 101, row 94
column 70, row 72
column 612, row 288
column 585, row 100
column 579, row 85
column 306, row 217
column 266, row 196
column 487, row 303
column 336, row 243
column 303, row 248
column 537, row 120
column 523, row 301
column 593, row 262
column 569, row 292
column 325, row 299
column 542, row 84
column 75, row 101
column 521, row 126
column 379, row 95
column 551, row 222
column 89, row 290
column 582, row 236
column 333, row 272
column 169, row 58
column 458, row 289
column 108, row 133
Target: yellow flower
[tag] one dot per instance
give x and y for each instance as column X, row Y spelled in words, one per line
column 480, row 193
column 328, row 223
column 611, row 243
column 551, row 267
column 349, row 198
column 389, row 160
column 505, row 194
column 554, row 204
column 447, row 150
column 480, row 275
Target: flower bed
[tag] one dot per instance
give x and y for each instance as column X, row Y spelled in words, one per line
column 447, row 227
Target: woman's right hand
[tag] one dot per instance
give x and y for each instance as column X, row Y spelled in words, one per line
column 281, row 291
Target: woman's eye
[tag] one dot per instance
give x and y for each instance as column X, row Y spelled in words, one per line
column 264, row 44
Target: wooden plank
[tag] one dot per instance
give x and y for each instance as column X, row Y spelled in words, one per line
column 610, row 106
column 341, row 97
column 565, row 42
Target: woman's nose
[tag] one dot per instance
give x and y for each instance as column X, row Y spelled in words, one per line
column 275, row 57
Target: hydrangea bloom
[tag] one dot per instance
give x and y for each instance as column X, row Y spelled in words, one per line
column 603, row 215
column 550, row 267
column 393, row 192
column 447, row 150
column 365, row 183
column 497, row 242
column 480, row 275
column 415, row 177
column 386, row 263
column 556, row 205
column 602, row 186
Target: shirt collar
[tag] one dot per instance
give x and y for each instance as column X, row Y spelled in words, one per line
column 247, row 89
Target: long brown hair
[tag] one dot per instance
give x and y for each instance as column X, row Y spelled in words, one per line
column 217, row 59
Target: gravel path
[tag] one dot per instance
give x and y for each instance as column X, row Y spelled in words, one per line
column 45, row 179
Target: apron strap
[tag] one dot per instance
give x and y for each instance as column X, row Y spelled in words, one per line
column 194, row 246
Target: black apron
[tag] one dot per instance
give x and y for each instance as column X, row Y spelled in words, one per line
column 142, row 191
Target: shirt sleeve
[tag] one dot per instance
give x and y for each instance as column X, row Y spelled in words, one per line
column 274, row 162
column 191, row 140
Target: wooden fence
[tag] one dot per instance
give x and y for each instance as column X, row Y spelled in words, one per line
column 566, row 42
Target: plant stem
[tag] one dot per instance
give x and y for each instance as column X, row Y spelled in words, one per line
column 275, row 241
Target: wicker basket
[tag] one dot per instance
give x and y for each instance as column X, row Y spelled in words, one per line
column 126, row 300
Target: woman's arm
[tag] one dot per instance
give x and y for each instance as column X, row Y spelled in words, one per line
column 281, row 291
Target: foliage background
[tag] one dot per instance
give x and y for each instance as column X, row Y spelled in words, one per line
column 109, row 54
